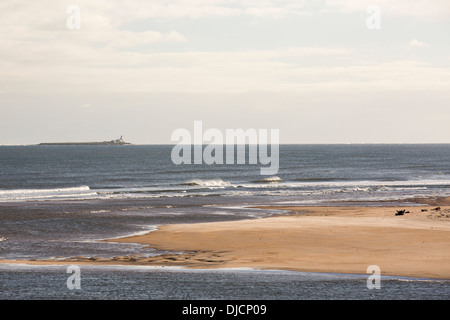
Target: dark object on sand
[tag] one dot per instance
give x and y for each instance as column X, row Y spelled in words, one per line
column 423, row 210
column 437, row 209
column 400, row 212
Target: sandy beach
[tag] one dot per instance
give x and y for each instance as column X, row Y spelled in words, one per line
column 315, row 239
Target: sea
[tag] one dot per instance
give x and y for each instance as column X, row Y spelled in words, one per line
column 59, row 201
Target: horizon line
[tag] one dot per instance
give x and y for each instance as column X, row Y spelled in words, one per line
column 205, row 144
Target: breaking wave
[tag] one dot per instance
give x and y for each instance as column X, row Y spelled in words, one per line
column 274, row 179
column 207, row 183
column 269, row 186
column 46, row 194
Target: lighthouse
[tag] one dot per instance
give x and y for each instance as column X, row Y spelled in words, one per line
column 120, row 140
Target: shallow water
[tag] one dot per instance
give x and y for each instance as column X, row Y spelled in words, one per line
column 143, row 283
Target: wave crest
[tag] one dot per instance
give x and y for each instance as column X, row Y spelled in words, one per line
column 32, row 191
column 42, row 194
column 207, row 183
column 273, row 179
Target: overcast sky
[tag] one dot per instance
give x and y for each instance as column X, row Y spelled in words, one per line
column 311, row 68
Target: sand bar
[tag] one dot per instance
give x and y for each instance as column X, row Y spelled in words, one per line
column 315, row 239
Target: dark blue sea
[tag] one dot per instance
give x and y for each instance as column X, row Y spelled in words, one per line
column 59, row 201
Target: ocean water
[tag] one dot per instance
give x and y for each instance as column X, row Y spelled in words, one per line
column 143, row 283
column 58, row 201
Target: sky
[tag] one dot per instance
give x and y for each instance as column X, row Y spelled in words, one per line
column 319, row 71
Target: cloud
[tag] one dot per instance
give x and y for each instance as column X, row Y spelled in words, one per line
column 195, row 9
column 422, row 9
column 100, row 25
column 127, row 39
column 416, row 43
column 39, row 54
column 296, row 69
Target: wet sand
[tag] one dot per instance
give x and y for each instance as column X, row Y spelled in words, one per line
column 315, row 239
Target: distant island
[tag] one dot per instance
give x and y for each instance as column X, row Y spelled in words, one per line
column 117, row 142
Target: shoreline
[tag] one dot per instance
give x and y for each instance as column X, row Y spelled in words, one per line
column 149, row 267
column 340, row 239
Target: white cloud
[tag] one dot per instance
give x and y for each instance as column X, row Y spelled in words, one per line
column 38, row 53
column 65, row 69
column 423, row 9
column 176, row 9
column 45, row 23
column 126, row 39
column 417, row 43
column 194, row 9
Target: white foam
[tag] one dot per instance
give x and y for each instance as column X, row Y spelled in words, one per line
column 100, row 211
column 45, row 194
column 273, row 179
column 44, row 191
column 207, row 183
column 148, row 229
column 274, row 186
